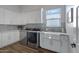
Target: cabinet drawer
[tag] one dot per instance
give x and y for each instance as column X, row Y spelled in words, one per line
column 49, row 36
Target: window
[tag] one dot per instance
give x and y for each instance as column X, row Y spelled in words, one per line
column 53, row 17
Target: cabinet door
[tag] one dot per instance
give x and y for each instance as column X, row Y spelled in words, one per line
column 0, row 40
column 23, row 34
column 49, row 42
column 4, row 39
column 23, row 37
column 65, row 45
column 55, row 45
column 42, row 40
column 52, row 42
column 46, row 43
column 9, row 37
column 14, row 36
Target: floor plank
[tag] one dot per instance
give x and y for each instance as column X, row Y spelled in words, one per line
column 19, row 48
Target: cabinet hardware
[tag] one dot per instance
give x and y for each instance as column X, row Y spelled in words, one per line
column 73, row 45
column 49, row 37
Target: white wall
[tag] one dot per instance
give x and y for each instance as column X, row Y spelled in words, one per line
column 17, row 15
column 20, row 15
column 32, row 17
column 32, row 13
column 9, row 14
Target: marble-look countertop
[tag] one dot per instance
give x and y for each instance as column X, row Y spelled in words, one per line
column 47, row 32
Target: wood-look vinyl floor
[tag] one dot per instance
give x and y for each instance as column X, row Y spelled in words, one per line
column 19, row 48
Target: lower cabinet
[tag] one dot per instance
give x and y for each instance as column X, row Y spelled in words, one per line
column 4, row 39
column 23, row 37
column 0, row 40
column 65, row 44
column 8, row 37
column 54, row 42
column 23, row 34
column 50, row 42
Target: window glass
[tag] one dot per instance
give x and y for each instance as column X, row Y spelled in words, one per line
column 53, row 11
column 53, row 23
column 53, row 17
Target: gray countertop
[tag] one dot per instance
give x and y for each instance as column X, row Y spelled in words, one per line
column 47, row 32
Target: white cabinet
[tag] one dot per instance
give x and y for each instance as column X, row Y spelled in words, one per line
column 23, row 34
column 50, row 42
column 0, row 40
column 4, row 39
column 55, row 42
column 13, row 36
column 9, row 37
column 65, row 44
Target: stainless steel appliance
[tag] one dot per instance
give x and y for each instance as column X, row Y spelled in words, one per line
column 72, row 26
column 33, row 37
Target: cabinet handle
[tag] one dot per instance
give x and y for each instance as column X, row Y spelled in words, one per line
column 71, row 14
column 49, row 37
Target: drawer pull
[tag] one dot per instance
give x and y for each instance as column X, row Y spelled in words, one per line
column 49, row 37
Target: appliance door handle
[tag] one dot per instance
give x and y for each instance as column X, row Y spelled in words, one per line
column 71, row 15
